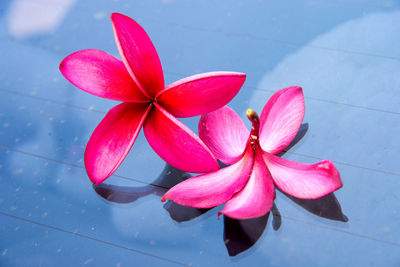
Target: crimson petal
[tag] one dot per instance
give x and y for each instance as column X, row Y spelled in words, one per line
column 224, row 133
column 256, row 198
column 301, row 180
column 215, row 188
column 112, row 139
column 281, row 118
column 101, row 74
column 176, row 143
column 138, row 53
column 201, row 93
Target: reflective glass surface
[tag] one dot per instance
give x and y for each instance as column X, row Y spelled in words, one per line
column 345, row 55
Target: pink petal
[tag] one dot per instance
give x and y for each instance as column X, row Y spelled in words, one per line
column 281, row 118
column 224, row 133
column 138, row 53
column 201, row 93
column 256, row 198
column 177, row 144
column 112, row 139
column 303, row 180
column 100, row 74
column 215, row 188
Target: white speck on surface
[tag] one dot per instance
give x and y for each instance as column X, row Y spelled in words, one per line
column 36, row 244
column 17, row 189
column 59, row 250
column 44, row 215
column 136, row 234
column 93, row 228
column 88, row 261
column 4, row 252
column 99, row 15
column 29, row 124
column 21, row 107
column 17, row 140
column 58, row 180
column 152, row 242
column 5, row 125
column 17, row 228
column 18, row 171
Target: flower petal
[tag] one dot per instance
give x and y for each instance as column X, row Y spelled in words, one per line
column 138, row 53
column 281, row 119
column 100, row 74
column 303, row 180
column 224, row 133
column 215, row 188
column 201, row 93
column 176, row 143
column 256, row 198
column 112, row 139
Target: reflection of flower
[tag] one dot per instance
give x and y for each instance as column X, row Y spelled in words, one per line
column 139, row 82
column 247, row 185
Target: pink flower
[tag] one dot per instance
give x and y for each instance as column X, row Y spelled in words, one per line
column 138, row 81
column 247, row 185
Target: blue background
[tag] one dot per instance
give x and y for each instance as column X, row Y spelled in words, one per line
column 345, row 55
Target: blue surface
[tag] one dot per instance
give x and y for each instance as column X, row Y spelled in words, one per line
column 345, row 55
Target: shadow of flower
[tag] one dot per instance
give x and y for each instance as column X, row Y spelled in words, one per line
column 239, row 235
column 169, row 177
column 327, row 207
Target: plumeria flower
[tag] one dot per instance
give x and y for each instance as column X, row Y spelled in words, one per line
column 247, row 184
column 138, row 81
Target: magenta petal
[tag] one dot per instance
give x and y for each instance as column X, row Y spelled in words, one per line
column 256, row 198
column 212, row 189
column 303, row 180
column 100, row 74
column 112, row 139
column 224, row 133
column 201, row 93
column 281, row 118
column 176, row 143
column 138, row 53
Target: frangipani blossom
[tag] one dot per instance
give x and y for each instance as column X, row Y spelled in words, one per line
column 138, row 81
column 247, row 185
